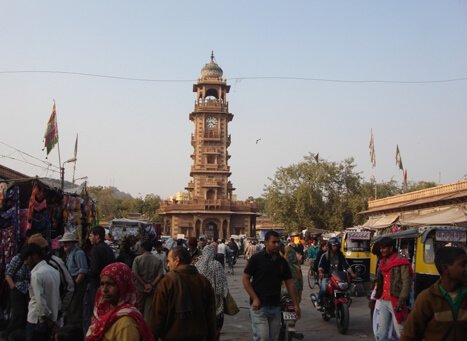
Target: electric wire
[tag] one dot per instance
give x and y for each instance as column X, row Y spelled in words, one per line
column 29, row 163
column 48, row 164
column 314, row 79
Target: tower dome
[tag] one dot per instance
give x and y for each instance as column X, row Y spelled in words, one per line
column 211, row 70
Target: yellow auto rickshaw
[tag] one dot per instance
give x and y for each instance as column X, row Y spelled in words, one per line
column 355, row 246
column 419, row 245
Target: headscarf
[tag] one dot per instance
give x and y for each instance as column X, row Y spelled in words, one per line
column 105, row 314
column 214, row 272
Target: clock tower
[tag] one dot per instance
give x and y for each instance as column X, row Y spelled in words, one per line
column 209, row 208
column 210, row 140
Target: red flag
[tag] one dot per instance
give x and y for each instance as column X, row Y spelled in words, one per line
column 51, row 133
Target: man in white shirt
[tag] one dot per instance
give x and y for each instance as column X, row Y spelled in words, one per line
column 221, row 252
column 44, row 292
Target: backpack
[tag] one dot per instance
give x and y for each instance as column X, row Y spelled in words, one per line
column 67, row 285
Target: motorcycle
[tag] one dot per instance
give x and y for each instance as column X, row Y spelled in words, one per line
column 336, row 301
column 288, row 320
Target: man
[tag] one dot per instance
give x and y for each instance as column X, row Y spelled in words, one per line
column 332, row 260
column 221, row 252
column 251, row 249
column 262, row 279
column 160, row 253
column 184, row 305
column 440, row 312
column 234, row 247
column 313, row 251
column 67, row 286
column 202, row 242
column 148, row 270
column 195, row 253
column 101, row 256
column 393, row 282
column 44, row 292
column 77, row 265
column 17, row 276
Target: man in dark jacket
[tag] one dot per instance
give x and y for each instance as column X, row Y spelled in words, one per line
column 184, row 306
column 332, row 260
column 101, row 256
column 440, row 312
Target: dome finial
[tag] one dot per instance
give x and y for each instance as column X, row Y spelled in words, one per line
column 212, row 55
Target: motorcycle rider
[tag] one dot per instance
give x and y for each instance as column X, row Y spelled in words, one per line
column 332, row 260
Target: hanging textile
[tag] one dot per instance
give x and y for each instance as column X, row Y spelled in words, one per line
column 9, row 227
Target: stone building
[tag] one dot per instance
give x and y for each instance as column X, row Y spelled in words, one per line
column 210, row 209
column 440, row 205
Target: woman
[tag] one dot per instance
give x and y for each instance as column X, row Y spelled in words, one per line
column 290, row 256
column 115, row 316
column 214, row 272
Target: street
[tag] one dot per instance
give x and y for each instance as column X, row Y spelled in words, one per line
column 311, row 325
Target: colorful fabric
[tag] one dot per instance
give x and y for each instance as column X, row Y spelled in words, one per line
column 214, row 272
column 51, row 133
column 105, row 314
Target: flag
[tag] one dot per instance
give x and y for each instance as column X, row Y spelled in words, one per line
column 399, row 159
column 405, row 178
column 372, row 150
column 76, row 147
column 51, row 133
column 317, row 158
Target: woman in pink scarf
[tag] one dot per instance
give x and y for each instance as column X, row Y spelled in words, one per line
column 115, row 316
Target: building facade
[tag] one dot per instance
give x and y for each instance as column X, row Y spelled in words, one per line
column 211, row 208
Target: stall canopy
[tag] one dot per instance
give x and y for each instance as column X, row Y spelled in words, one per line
column 381, row 221
column 448, row 215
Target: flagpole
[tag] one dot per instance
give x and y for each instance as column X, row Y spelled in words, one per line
column 75, row 154
column 62, row 167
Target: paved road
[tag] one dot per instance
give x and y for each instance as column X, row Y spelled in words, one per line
column 311, row 325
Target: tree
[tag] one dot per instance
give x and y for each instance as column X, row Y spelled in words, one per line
column 315, row 193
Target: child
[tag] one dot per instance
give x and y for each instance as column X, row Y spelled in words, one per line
column 440, row 312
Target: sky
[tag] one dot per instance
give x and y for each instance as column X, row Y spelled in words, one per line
column 135, row 135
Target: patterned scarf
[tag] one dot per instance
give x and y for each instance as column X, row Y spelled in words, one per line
column 105, row 314
column 214, row 272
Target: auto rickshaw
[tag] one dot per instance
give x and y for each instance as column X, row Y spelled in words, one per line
column 355, row 246
column 419, row 245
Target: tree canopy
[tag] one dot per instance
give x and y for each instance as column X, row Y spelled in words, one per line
column 324, row 194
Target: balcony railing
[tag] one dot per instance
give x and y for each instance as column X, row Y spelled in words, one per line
column 202, row 205
column 212, row 105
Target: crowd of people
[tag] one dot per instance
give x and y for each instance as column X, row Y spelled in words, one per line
column 151, row 290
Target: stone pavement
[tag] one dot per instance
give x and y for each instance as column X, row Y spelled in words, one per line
column 313, row 327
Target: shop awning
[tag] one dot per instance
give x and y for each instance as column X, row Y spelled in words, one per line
column 382, row 221
column 436, row 216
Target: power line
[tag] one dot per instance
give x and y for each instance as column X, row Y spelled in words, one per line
column 29, row 163
column 314, row 79
column 48, row 164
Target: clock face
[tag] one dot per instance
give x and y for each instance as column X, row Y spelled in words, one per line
column 211, row 122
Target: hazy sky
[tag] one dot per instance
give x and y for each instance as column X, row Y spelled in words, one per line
column 136, row 135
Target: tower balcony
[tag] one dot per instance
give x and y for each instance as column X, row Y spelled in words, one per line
column 210, row 168
column 212, row 105
column 204, row 204
column 211, row 183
